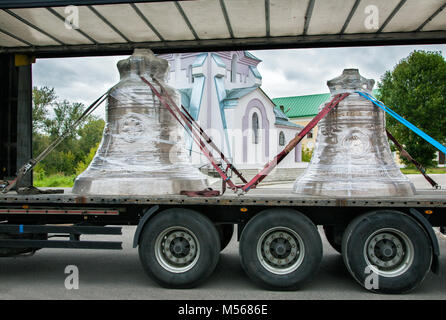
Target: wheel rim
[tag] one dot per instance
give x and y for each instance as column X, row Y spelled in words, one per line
column 177, row 249
column 280, row 250
column 389, row 252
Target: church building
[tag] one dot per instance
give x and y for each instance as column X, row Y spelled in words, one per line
column 222, row 91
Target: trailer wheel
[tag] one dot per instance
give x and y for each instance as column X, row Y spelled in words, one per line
column 387, row 252
column 280, row 249
column 225, row 231
column 179, row 248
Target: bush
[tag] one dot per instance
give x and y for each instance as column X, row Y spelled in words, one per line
column 38, row 172
column 83, row 164
column 306, row 154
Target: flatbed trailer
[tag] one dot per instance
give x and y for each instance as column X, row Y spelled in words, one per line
column 387, row 244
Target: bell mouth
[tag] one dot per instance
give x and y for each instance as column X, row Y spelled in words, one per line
column 128, row 186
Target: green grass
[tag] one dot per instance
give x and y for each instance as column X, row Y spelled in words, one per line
column 54, row 180
column 412, row 170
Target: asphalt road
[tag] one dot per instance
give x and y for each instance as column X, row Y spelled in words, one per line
column 119, row 275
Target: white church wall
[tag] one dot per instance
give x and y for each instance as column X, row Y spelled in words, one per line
column 269, row 144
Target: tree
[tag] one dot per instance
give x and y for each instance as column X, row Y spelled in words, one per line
column 42, row 99
column 65, row 114
column 52, row 118
column 83, row 165
column 416, row 89
column 90, row 134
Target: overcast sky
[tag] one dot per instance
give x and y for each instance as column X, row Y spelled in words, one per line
column 284, row 72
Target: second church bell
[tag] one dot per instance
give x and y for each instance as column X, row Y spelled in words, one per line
column 352, row 156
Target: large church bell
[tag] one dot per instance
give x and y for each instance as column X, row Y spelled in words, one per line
column 352, row 156
column 142, row 149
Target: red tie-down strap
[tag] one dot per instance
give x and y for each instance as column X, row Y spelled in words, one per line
column 420, row 168
column 197, row 133
column 186, row 121
column 293, row 143
column 191, row 122
column 209, row 192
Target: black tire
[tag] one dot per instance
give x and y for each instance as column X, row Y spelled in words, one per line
column 225, row 231
column 387, row 251
column 196, row 239
column 259, row 248
column 334, row 237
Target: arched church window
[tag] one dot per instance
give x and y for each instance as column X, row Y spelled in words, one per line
column 281, row 138
column 255, row 128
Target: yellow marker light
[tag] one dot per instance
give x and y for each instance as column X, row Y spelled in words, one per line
column 243, row 209
column 428, row 211
column 25, row 207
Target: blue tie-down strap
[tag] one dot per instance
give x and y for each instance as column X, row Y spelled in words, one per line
column 419, row 132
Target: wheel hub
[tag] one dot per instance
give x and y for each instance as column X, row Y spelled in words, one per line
column 280, row 250
column 385, row 251
column 180, row 247
column 389, row 251
column 177, row 249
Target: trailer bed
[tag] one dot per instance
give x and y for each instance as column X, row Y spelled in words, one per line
column 255, row 197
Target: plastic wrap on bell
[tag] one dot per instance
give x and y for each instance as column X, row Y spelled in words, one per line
column 142, row 151
column 352, row 156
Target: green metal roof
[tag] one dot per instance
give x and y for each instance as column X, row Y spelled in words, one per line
column 301, row 106
column 304, row 106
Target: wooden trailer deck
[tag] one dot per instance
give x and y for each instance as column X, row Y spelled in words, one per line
column 255, row 197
